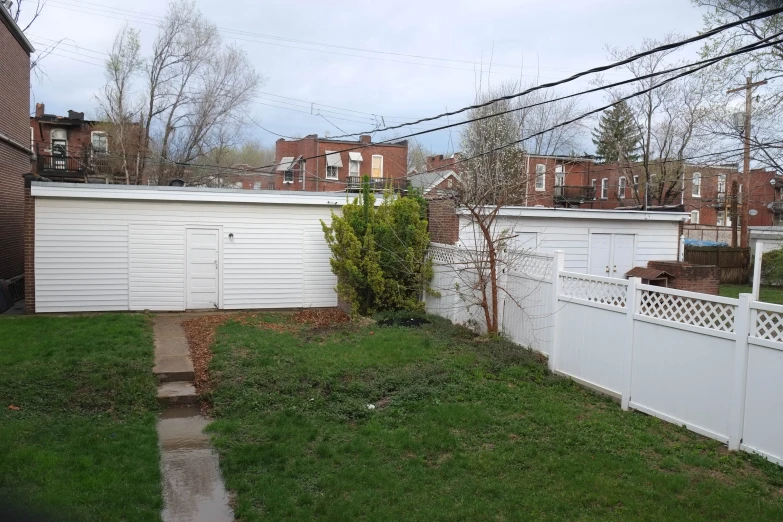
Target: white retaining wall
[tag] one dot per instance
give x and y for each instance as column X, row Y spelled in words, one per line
column 710, row 363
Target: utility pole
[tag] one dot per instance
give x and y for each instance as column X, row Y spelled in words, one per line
column 733, row 213
column 748, row 88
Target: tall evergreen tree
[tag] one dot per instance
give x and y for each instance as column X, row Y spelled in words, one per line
column 616, row 137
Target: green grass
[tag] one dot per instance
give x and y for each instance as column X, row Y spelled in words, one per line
column 83, row 445
column 768, row 294
column 463, row 430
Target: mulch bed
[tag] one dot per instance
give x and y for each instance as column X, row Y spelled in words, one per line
column 200, row 332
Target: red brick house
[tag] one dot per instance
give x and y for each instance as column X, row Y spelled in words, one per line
column 321, row 164
column 69, row 148
column 14, row 147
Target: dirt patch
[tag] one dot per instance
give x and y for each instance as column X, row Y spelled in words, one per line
column 200, row 332
column 321, row 318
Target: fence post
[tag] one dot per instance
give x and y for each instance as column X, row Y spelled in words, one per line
column 757, row 269
column 630, row 310
column 740, row 377
column 558, row 265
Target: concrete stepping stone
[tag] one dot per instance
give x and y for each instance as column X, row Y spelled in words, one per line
column 177, row 393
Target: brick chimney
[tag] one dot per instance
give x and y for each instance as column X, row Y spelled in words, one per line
column 39, row 110
column 365, row 138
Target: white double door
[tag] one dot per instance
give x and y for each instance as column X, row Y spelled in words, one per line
column 203, row 268
column 611, row 255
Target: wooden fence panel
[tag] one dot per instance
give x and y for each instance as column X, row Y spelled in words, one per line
column 734, row 263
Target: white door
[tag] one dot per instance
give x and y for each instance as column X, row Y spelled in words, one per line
column 622, row 255
column 203, row 268
column 600, row 254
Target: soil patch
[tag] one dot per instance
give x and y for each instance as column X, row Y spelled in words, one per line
column 321, row 318
column 407, row 322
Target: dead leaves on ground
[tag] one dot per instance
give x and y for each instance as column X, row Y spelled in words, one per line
column 200, row 332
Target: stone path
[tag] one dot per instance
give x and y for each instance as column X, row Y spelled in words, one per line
column 193, row 489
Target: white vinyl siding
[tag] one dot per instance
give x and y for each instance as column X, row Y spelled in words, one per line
column 99, row 254
column 655, row 240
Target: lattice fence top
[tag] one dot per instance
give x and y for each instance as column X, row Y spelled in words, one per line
column 597, row 291
column 532, row 264
column 688, row 310
column 442, row 255
column 769, row 326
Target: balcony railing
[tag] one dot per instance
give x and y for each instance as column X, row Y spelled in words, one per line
column 776, row 207
column 60, row 166
column 574, row 195
column 354, row 184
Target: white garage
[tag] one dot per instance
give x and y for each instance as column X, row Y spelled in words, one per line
column 599, row 242
column 112, row 247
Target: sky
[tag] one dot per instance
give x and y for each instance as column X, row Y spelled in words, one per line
column 350, row 66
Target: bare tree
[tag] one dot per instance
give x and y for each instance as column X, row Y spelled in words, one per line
column 666, row 116
column 493, row 176
column 118, row 109
column 195, row 92
column 37, row 10
column 417, row 155
column 562, row 140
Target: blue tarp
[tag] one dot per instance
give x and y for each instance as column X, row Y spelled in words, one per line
column 700, row 242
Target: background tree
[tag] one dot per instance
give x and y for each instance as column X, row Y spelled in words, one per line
column 195, row 90
column 616, row 137
column 563, row 140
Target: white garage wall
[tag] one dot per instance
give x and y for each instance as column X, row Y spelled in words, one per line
column 655, row 240
column 102, row 254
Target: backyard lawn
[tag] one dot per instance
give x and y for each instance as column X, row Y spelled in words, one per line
column 768, row 294
column 461, row 429
column 77, row 418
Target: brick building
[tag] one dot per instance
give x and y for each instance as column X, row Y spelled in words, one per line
column 14, row 144
column 342, row 168
column 70, row 148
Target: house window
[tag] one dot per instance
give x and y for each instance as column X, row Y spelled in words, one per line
column 257, row 185
column 100, row 142
column 288, row 176
column 724, row 219
column 592, row 184
column 621, row 188
column 353, row 168
column 32, row 139
column 333, row 163
column 635, row 184
column 559, row 176
column 605, row 188
column 721, row 183
column 696, row 185
column 450, row 183
column 377, row 166
column 59, row 142
column 540, row 177
column 694, row 217
column 238, row 184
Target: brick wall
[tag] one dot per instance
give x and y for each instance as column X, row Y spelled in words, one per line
column 29, row 252
column 395, row 161
column 14, row 162
column 443, row 221
column 693, row 278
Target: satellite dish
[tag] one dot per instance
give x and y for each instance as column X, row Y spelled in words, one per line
column 753, row 212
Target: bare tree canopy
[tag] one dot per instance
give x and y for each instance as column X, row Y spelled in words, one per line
column 189, row 96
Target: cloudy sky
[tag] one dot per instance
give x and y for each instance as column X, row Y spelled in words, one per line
column 340, row 65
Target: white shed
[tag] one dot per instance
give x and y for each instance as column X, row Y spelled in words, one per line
column 598, row 242
column 111, row 247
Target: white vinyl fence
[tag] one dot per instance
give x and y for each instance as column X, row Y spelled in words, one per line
column 712, row 364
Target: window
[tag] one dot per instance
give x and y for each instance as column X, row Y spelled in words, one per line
column 238, row 184
column 377, row 166
column 694, row 217
column 696, row 185
column 724, row 219
column 721, row 183
column 592, row 184
column 621, row 188
column 257, row 185
column 605, row 188
column 450, row 183
column 635, row 184
column 100, row 142
column 333, row 163
column 59, row 142
column 288, row 176
column 32, row 139
column 559, row 176
column 353, row 168
column 540, row 177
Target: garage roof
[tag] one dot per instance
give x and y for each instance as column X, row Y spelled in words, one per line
column 134, row 192
column 585, row 213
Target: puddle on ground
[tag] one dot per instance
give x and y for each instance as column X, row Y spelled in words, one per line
column 193, row 489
